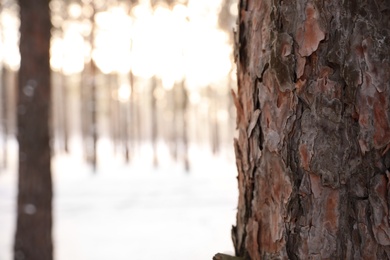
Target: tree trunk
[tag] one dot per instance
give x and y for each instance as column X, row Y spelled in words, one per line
column 4, row 114
column 94, row 125
column 126, row 110
column 173, row 130
column 3, row 107
column 132, row 117
column 33, row 239
column 314, row 130
column 85, row 114
column 154, row 124
column 64, row 111
column 59, row 111
column 184, row 130
column 213, row 120
column 113, row 110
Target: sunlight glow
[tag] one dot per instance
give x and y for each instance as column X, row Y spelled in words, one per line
column 75, row 10
column 68, row 53
column 9, row 49
column 113, row 41
column 171, row 43
column 124, row 93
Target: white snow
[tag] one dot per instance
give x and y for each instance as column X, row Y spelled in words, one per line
column 136, row 211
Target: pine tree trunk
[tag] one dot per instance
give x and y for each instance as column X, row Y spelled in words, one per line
column 314, row 130
column 33, row 239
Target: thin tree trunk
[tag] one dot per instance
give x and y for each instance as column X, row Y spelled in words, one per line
column 132, row 130
column 33, row 238
column 213, row 121
column 125, row 110
column 84, row 112
column 135, row 125
column 3, row 92
column 64, row 112
column 314, row 130
column 184, row 97
column 173, row 129
column 62, row 121
column 154, row 120
column 93, row 126
column 112, row 113
column 4, row 114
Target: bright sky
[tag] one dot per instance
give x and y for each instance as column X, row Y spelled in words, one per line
column 171, row 43
column 9, row 38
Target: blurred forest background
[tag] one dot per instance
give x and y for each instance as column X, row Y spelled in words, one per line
column 132, row 72
column 142, row 123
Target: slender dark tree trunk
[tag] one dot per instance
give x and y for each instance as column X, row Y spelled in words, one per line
column 33, row 239
column 314, row 129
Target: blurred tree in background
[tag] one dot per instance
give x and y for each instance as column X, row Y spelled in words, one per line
column 132, row 72
column 33, row 238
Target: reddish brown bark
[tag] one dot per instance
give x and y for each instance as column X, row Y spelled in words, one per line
column 314, row 129
column 33, row 239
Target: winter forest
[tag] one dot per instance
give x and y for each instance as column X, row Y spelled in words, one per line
column 126, row 152
column 194, row 129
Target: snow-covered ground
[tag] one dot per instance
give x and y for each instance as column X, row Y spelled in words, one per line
column 133, row 212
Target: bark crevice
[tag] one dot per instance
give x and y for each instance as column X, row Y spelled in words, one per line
column 315, row 112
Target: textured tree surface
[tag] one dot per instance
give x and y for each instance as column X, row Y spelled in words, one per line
column 33, row 239
column 314, row 129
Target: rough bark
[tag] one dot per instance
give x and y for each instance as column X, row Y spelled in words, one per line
column 314, row 129
column 33, row 239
